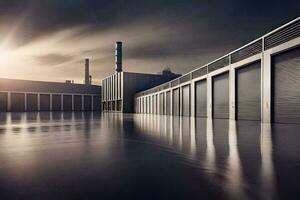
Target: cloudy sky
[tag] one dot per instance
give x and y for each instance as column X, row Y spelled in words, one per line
column 49, row 39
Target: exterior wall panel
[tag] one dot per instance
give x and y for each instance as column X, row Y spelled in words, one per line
column 77, row 102
column 67, row 102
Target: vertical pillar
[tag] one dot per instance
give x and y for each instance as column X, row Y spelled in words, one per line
column 171, row 102
column 232, row 93
column 39, row 101
column 51, row 96
column 61, row 102
column 72, row 102
column 266, row 87
column 209, row 97
column 192, row 100
column 82, row 102
column 165, row 102
column 180, row 101
column 92, row 103
column 9, row 101
column 25, row 102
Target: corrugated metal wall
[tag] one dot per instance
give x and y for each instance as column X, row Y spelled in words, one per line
column 201, row 98
column 221, row 96
column 286, row 87
column 248, row 92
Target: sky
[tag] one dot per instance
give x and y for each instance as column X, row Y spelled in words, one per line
column 48, row 40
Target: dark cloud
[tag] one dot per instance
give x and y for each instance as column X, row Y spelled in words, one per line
column 53, row 59
column 177, row 32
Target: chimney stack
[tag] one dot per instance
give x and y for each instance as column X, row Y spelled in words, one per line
column 118, row 56
column 87, row 72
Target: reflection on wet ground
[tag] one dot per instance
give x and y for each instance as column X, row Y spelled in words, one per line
column 114, row 156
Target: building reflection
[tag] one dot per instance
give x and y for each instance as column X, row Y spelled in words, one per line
column 237, row 155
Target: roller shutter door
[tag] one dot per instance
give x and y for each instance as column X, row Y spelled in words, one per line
column 161, row 104
column 286, row 87
column 221, row 96
column 17, row 102
column 96, row 103
column 56, row 102
column 3, row 101
column 168, row 103
column 87, row 103
column 176, row 102
column 201, row 98
column 31, row 102
column 44, row 102
column 186, row 100
column 67, row 102
column 248, row 92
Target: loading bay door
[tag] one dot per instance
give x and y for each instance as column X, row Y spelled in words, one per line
column 286, row 87
column 186, row 100
column 201, row 98
column 248, row 92
column 176, row 103
column 221, row 96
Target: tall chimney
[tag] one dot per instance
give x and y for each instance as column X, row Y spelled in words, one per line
column 87, row 72
column 118, row 56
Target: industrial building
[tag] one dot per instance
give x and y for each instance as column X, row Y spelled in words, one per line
column 25, row 96
column 259, row 81
column 118, row 90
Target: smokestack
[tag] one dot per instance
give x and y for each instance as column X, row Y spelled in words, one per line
column 118, row 56
column 87, row 72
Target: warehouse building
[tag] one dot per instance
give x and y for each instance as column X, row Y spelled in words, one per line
column 25, row 96
column 259, row 81
column 118, row 90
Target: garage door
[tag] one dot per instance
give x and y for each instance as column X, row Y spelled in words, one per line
column 17, row 102
column 248, row 92
column 221, row 96
column 32, row 102
column 176, row 102
column 3, row 101
column 87, row 103
column 161, row 104
column 67, row 102
column 44, row 102
column 186, row 100
column 56, row 102
column 168, row 103
column 286, row 87
column 201, row 98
